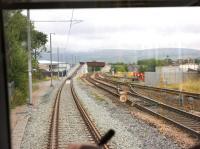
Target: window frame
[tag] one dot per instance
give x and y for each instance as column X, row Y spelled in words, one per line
column 5, row 135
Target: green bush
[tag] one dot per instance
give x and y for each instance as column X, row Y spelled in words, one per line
column 120, row 67
column 19, row 98
column 17, row 55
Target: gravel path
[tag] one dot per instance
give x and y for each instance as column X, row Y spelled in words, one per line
column 71, row 125
column 35, row 136
column 36, row 131
column 130, row 133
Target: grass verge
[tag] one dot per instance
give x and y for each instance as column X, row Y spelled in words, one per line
column 189, row 86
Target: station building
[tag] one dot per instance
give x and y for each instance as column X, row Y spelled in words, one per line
column 93, row 66
column 60, row 67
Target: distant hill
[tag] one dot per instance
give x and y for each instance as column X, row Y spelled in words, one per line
column 127, row 56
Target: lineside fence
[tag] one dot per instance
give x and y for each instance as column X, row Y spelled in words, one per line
column 156, row 78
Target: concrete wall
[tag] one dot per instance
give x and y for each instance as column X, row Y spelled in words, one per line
column 152, row 78
column 155, row 78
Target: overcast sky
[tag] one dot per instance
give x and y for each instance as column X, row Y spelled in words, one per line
column 130, row 28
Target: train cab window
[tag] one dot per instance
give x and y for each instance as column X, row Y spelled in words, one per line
column 74, row 73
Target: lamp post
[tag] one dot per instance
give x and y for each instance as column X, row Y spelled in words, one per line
column 29, row 57
column 51, row 57
column 58, row 63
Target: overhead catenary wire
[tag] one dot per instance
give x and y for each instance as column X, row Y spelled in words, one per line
column 70, row 26
column 76, row 21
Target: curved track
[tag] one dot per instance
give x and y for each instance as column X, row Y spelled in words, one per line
column 182, row 100
column 170, row 91
column 182, row 119
column 53, row 140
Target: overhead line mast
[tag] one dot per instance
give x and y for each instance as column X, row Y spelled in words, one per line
column 29, row 46
column 69, row 31
column 29, row 57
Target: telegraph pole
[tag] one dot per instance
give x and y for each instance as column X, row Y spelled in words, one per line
column 58, row 62
column 72, row 60
column 29, row 57
column 51, row 58
column 75, row 59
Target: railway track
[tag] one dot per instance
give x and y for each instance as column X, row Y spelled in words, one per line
column 53, row 138
column 54, row 125
column 104, row 86
column 90, row 125
column 170, row 91
column 180, row 118
column 182, row 100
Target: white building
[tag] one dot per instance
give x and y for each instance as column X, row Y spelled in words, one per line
column 46, row 65
column 106, row 68
column 189, row 66
column 84, row 69
column 171, row 74
column 168, row 69
column 180, row 68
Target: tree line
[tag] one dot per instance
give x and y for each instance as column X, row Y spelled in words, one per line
column 143, row 65
column 151, row 64
column 15, row 26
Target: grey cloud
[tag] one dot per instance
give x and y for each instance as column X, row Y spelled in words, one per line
column 187, row 29
column 114, row 29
